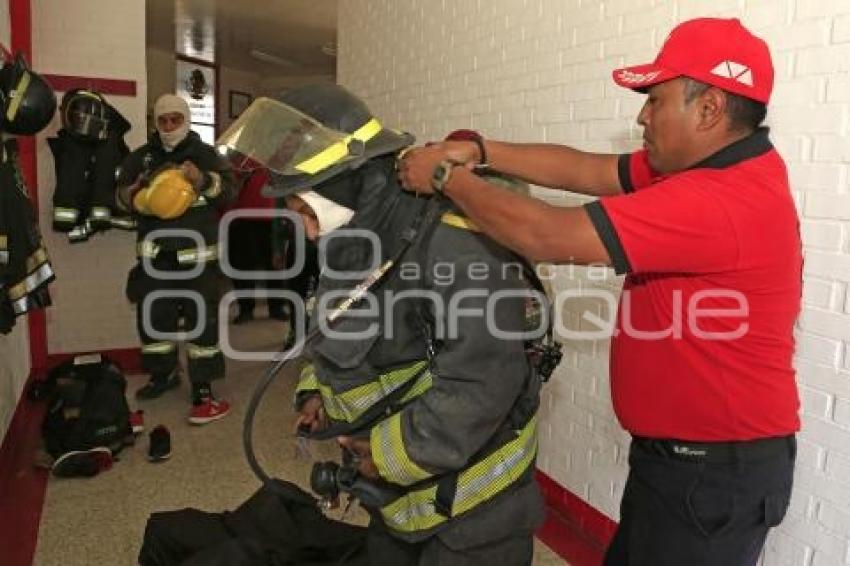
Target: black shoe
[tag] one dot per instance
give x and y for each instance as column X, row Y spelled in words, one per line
column 156, row 387
column 160, row 444
column 243, row 316
column 83, row 463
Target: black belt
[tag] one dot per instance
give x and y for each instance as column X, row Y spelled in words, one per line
column 716, row 452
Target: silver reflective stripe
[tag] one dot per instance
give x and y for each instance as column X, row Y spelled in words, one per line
column 195, row 352
column 100, row 213
column 159, row 348
column 124, row 223
column 200, row 201
column 146, row 248
column 81, row 232
column 20, row 306
column 4, row 257
column 192, row 255
column 215, row 187
column 65, row 214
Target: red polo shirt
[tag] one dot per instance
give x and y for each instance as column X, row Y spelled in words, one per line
column 704, row 336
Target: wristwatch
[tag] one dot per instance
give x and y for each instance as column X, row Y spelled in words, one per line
column 442, row 173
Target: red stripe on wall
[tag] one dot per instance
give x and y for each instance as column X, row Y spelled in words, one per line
column 22, row 486
column 574, row 530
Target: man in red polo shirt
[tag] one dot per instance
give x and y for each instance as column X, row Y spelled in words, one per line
column 702, row 222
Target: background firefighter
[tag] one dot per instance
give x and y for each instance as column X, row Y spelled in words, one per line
column 162, row 208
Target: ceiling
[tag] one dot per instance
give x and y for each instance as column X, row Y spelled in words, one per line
column 291, row 32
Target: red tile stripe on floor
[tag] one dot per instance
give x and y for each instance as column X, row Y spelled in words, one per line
column 573, row 529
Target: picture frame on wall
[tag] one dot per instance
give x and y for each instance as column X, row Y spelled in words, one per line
column 239, row 101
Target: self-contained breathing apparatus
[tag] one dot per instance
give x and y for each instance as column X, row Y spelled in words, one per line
column 304, row 145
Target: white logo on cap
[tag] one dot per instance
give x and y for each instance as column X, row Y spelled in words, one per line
column 631, row 77
column 734, row 71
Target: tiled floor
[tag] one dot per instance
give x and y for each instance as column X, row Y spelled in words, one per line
column 101, row 520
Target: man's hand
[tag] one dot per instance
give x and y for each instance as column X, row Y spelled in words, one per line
column 193, row 175
column 362, row 450
column 311, row 415
column 416, row 166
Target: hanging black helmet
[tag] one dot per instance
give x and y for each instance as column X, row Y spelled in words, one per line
column 308, row 136
column 85, row 115
column 27, row 102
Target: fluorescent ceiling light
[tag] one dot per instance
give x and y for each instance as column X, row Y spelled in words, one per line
column 267, row 57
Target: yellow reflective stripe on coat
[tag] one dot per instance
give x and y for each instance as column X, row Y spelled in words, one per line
column 196, row 352
column 477, row 484
column 193, row 255
column 159, row 348
column 307, row 381
column 18, row 96
column 350, row 405
column 389, row 454
column 459, row 221
column 339, row 150
column 40, row 271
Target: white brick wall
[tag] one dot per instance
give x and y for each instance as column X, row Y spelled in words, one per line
column 539, row 70
column 94, row 39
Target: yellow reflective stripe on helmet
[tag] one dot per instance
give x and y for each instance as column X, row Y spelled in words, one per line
column 389, row 454
column 339, row 150
column 20, row 89
column 65, row 214
column 158, row 348
column 350, row 405
column 307, row 381
column 459, row 221
column 192, row 255
column 477, row 484
column 196, row 352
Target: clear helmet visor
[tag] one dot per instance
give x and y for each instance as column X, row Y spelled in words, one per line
column 272, row 135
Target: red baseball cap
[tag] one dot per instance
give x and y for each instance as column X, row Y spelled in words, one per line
column 719, row 52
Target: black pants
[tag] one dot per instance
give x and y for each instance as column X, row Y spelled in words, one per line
column 160, row 357
column 682, row 508
column 250, row 249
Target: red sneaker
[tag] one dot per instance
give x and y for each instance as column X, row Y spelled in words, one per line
column 137, row 422
column 208, row 411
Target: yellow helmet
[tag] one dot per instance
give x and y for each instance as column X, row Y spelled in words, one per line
column 167, row 196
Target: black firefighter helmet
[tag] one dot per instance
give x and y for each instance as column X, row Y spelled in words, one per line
column 85, row 114
column 307, row 136
column 27, row 102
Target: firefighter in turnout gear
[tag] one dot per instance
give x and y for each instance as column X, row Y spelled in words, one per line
column 87, row 150
column 434, row 406
column 175, row 185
